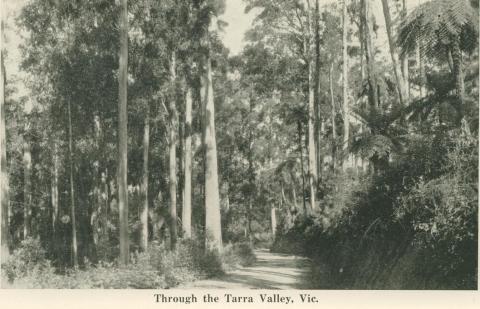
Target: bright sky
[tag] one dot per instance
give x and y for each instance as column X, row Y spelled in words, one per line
column 239, row 22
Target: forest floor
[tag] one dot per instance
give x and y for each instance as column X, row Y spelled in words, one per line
column 270, row 271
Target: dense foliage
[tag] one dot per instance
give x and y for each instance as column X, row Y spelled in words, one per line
column 158, row 267
column 421, row 232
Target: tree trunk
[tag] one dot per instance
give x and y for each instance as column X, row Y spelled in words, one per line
column 332, row 119
column 27, row 188
column 294, row 196
column 404, row 60
column 458, row 71
column 302, row 166
column 54, row 187
column 346, row 108
column 273, row 217
column 421, row 70
column 4, row 179
column 369, row 53
column 106, row 205
column 362, row 72
column 95, row 219
column 187, row 198
column 72, row 190
column 362, row 51
column 173, row 157
column 144, row 204
column 212, row 195
column 312, row 158
column 227, row 197
column 284, row 198
column 318, row 114
column 123, row 135
column 318, row 148
column 181, row 161
column 401, row 89
column 249, row 222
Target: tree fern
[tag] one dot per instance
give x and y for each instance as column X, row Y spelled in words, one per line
column 437, row 24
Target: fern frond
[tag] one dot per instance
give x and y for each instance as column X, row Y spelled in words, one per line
column 439, row 22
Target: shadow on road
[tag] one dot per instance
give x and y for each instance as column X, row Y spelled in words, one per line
column 271, row 271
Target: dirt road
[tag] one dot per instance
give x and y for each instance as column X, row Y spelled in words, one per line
column 270, row 271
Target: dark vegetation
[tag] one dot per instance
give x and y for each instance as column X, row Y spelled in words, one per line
column 414, row 226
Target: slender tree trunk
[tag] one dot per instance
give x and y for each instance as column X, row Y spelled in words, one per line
column 123, row 135
column 450, row 60
column 284, row 198
column 251, row 172
column 203, row 103
column 106, row 205
column 421, row 70
column 72, row 188
column 54, row 186
column 332, row 119
column 362, row 51
column 369, row 53
column 181, row 161
column 346, row 108
column 187, row 198
column 173, row 157
column 294, row 196
column 27, row 188
column 4, row 179
column 458, row 71
column 401, row 89
column 320, row 159
column 302, row 166
column 212, row 195
column 249, row 222
column 362, row 72
column 312, row 158
column 227, row 197
column 144, row 204
column 404, row 59
column 97, row 190
column 318, row 114
column 273, row 219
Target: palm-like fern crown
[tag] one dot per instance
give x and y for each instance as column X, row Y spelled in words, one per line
column 435, row 24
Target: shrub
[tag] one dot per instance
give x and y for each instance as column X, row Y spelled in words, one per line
column 238, row 254
column 29, row 257
column 159, row 267
column 210, row 263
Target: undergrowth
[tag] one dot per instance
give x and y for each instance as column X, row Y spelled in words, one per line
column 411, row 226
column 158, row 267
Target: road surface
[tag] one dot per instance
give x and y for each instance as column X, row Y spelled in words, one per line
column 270, row 271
